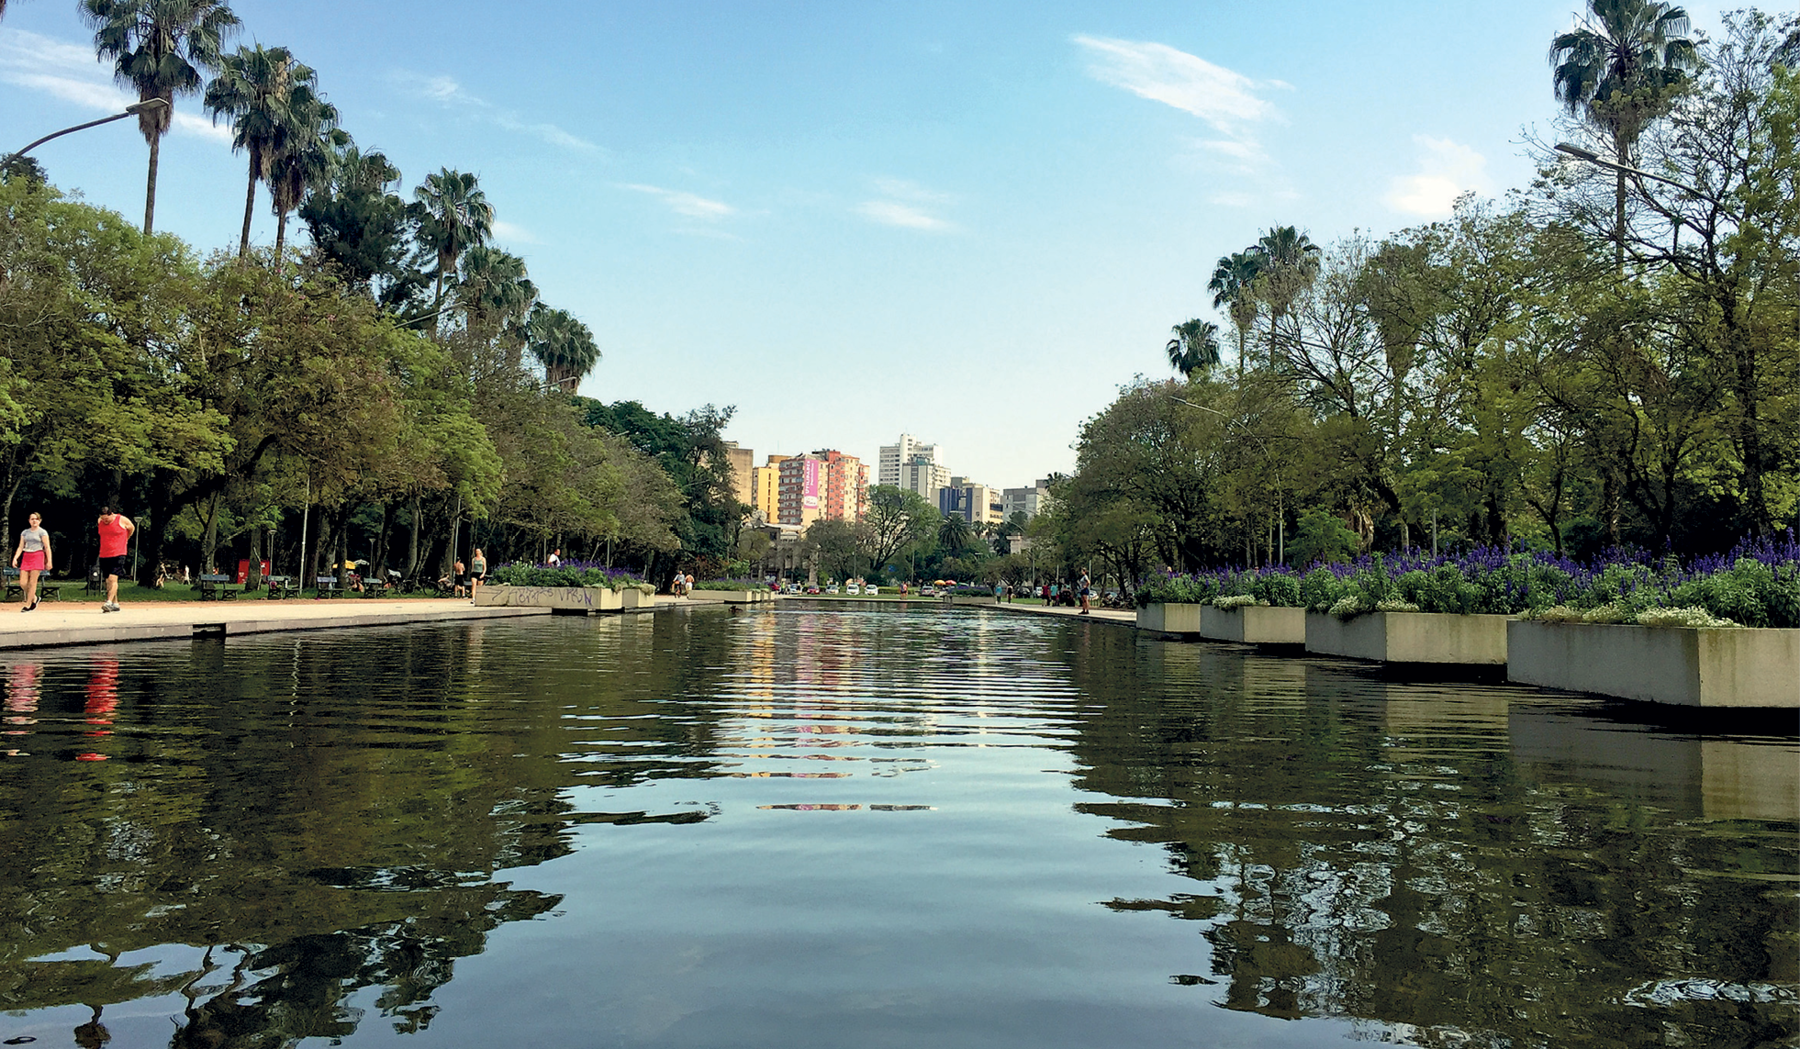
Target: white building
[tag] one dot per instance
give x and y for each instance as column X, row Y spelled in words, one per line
column 896, row 456
column 1028, row 501
column 925, row 477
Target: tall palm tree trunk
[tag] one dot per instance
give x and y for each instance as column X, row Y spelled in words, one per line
column 1619, row 215
column 280, row 236
column 150, row 184
column 249, row 206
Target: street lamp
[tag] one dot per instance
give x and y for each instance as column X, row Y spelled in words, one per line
column 1280, row 496
column 149, row 105
column 1592, row 157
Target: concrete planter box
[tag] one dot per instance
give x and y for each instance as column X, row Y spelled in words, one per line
column 1410, row 637
column 555, row 598
column 1683, row 666
column 1170, row 619
column 732, row 597
column 1254, row 625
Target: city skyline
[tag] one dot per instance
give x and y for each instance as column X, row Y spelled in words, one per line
column 976, row 224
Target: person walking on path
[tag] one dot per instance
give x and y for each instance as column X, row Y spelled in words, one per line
column 1086, row 586
column 477, row 572
column 32, row 558
column 555, row 557
column 115, row 539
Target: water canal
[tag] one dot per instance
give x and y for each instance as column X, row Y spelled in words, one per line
column 867, row 828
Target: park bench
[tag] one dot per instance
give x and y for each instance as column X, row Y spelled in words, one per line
column 283, row 586
column 218, row 587
column 328, row 585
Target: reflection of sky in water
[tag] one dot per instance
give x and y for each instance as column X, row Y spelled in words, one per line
column 837, row 828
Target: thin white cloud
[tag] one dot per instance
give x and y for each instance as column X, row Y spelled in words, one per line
column 906, row 216
column 513, row 234
column 1225, row 99
column 903, row 189
column 75, row 74
column 1447, row 169
column 447, row 92
column 691, row 205
column 907, row 205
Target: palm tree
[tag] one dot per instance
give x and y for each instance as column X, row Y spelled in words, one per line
column 563, row 345
column 1195, row 347
column 1289, row 265
column 159, row 47
column 254, row 88
column 1233, row 286
column 453, row 216
column 953, row 533
column 496, row 297
column 303, row 162
column 1619, row 68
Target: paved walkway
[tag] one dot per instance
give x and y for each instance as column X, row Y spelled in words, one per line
column 82, row 622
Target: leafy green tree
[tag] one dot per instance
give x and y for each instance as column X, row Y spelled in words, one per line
column 1321, row 536
column 896, row 519
column 360, row 227
column 1195, row 347
column 954, row 535
column 161, row 48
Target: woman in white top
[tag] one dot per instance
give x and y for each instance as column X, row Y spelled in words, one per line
column 32, row 558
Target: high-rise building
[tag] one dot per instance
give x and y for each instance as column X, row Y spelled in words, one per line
column 896, row 456
column 765, row 488
column 974, row 503
column 924, row 476
column 822, row 485
column 1027, row 501
column 742, row 460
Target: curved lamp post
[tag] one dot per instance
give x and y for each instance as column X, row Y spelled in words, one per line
column 1596, row 159
column 133, row 110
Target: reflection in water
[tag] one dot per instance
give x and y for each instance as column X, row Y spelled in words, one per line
column 862, row 826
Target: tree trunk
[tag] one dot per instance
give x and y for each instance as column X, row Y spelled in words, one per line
column 253, row 577
column 280, row 237
column 209, row 545
column 150, row 184
column 249, row 207
column 412, row 542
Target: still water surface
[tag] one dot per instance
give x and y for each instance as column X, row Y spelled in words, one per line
column 867, row 828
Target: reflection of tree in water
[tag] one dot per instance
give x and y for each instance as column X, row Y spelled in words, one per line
column 1372, row 851
column 338, row 804
column 298, row 989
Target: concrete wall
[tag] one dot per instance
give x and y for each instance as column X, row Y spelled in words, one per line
column 1170, row 619
column 1254, row 625
column 560, row 598
column 732, row 597
column 1409, row 637
column 1714, row 667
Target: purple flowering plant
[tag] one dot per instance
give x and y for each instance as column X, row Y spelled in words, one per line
column 1756, row 583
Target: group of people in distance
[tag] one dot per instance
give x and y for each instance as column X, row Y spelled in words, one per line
column 33, row 556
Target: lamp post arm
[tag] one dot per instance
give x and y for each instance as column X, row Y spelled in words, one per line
column 1596, row 159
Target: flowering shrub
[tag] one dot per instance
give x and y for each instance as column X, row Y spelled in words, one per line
column 1755, row 584
column 569, row 573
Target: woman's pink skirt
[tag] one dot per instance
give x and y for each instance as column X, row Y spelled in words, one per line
column 32, row 561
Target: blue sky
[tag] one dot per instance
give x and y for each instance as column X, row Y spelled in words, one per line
column 969, row 222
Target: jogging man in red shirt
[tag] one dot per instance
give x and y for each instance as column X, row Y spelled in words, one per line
column 115, row 537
